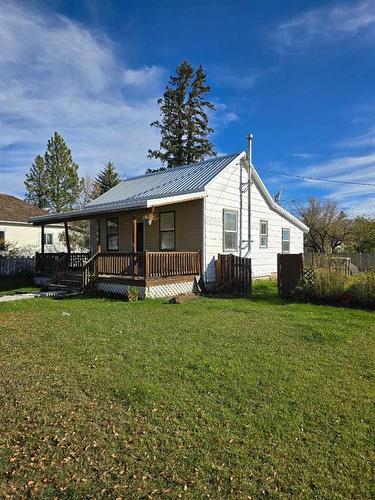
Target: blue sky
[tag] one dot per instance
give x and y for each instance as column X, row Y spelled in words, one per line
column 298, row 74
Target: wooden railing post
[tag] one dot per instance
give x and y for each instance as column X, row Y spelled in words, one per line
column 146, row 264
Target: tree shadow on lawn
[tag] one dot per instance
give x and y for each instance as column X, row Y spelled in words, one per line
column 17, row 282
column 262, row 291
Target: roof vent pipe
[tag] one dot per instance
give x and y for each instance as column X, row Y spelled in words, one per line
column 250, row 138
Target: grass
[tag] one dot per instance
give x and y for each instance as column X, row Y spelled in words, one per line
column 20, row 283
column 216, row 397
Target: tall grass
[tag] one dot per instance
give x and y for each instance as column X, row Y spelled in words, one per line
column 362, row 288
column 329, row 286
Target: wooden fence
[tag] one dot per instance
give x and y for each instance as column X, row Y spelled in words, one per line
column 289, row 272
column 233, row 274
column 16, row 265
column 364, row 261
column 336, row 262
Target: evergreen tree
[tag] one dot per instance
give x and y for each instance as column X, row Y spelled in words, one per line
column 198, row 145
column 36, row 184
column 107, row 178
column 184, row 123
column 63, row 186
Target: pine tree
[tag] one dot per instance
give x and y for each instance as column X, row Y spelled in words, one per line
column 198, row 145
column 184, row 123
column 62, row 175
column 36, row 184
column 107, row 178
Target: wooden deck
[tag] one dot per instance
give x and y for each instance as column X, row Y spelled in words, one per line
column 138, row 268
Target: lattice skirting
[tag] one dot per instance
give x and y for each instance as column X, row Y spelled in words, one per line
column 154, row 292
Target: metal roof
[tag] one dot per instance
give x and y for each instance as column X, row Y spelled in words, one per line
column 135, row 192
column 186, row 182
column 171, row 182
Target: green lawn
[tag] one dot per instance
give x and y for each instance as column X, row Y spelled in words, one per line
column 215, row 397
column 9, row 285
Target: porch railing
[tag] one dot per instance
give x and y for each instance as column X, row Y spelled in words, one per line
column 48, row 262
column 138, row 265
column 121, row 264
column 164, row 264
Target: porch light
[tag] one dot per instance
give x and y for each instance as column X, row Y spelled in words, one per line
column 149, row 218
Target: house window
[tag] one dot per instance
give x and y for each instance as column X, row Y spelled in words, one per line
column 2, row 240
column 263, row 234
column 230, row 226
column 48, row 238
column 167, row 231
column 112, row 234
column 285, row 240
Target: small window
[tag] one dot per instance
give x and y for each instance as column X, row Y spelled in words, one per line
column 263, row 234
column 112, row 234
column 230, row 226
column 2, row 240
column 167, row 231
column 48, row 238
column 285, row 240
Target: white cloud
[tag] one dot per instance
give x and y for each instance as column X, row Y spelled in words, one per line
column 353, row 169
column 366, row 139
column 333, row 22
column 143, row 76
column 56, row 75
column 304, row 156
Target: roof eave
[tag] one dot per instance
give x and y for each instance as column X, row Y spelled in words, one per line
column 83, row 214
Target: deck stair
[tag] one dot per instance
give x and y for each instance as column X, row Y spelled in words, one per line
column 70, row 281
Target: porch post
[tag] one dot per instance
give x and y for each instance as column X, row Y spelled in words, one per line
column 134, row 235
column 67, row 237
column 42, row 248
column 42, row 239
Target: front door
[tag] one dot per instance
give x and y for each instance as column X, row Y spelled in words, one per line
column 140, row 237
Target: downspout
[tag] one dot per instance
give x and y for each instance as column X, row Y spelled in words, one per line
column 249, row 178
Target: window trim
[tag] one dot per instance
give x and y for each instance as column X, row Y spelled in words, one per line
column 231, row 211
column 263, row 221
column 46, row 238
column 282, row 239
column 106, row 228
column 167, row 231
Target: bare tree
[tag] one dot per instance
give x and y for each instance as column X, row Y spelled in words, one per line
column 329, row 226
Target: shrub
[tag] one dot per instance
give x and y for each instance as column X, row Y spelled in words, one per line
column 362, row 289
column 327, row 285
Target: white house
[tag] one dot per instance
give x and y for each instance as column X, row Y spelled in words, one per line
column 158, row 231
column 16, row 230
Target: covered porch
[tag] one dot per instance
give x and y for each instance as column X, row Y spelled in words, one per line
column 129, row 248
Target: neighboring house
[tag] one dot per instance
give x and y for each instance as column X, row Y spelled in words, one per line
column 19, row 233
column 207, row 207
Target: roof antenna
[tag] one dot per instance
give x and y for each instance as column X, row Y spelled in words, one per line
column 277, row 196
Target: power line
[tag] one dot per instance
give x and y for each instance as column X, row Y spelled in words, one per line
column 316, row 178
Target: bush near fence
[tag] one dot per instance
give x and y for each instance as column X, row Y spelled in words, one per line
column 10, row 266
column 329, row 286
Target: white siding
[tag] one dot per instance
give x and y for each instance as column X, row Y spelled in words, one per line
column 27, row 238
column 224, row 192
